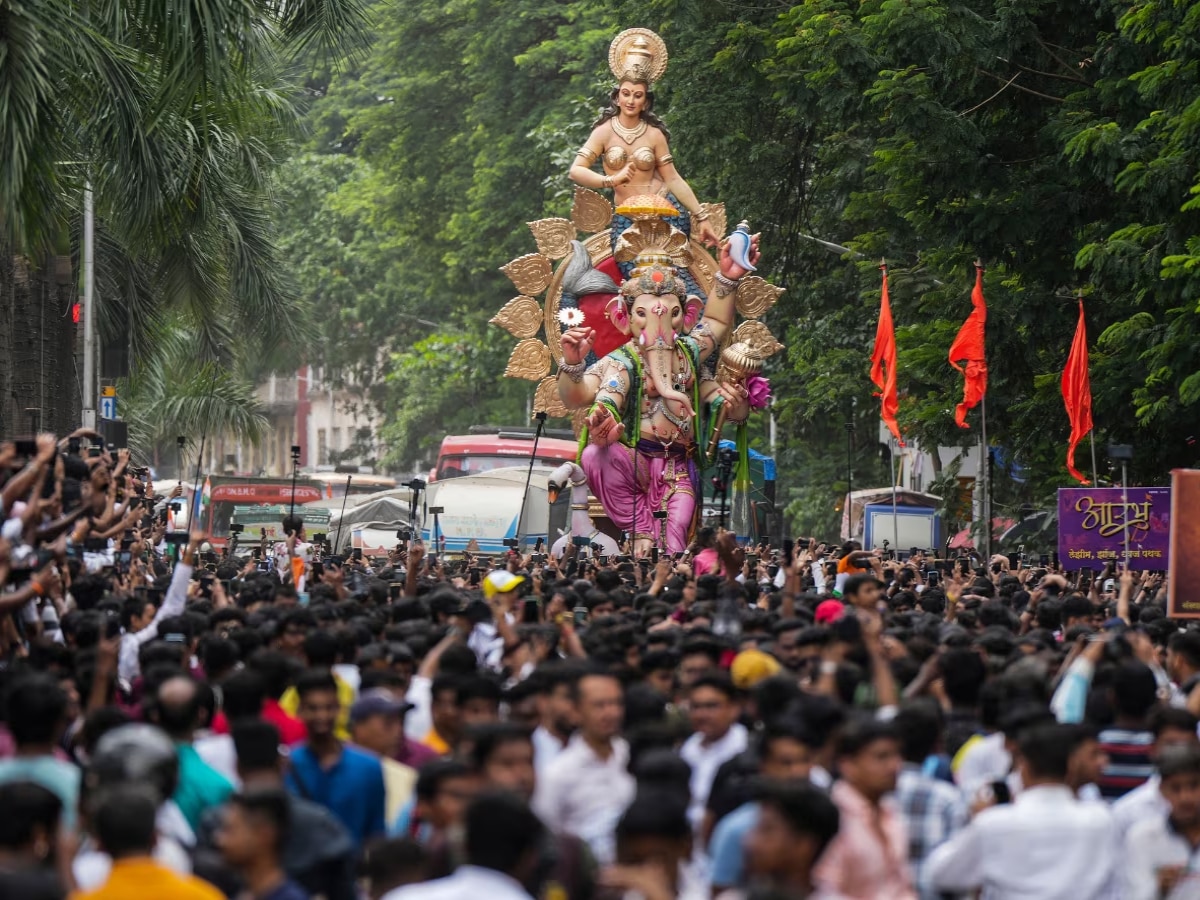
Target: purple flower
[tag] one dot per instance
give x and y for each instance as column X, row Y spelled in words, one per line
column 758, row 391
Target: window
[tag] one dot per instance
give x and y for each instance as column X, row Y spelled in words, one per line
column 322, row 448
column 335, row 442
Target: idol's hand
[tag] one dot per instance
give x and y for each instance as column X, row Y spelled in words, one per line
column 732, row 270
column 736, row 405
column 708, row 235
column 625, row 176
column 603, row 429
column 577, row 344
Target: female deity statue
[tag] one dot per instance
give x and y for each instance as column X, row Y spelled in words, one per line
column 630, row 141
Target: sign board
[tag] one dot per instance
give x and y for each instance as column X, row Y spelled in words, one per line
column 1092, row 523
column 1183, row 582
column 108, row 407
column 109, row 390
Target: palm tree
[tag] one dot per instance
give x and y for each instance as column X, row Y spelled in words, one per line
column 175, row 113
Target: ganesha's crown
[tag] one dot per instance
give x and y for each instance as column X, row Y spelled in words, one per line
column 653, row 274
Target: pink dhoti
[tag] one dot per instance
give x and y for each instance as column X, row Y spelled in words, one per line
column 665, row 480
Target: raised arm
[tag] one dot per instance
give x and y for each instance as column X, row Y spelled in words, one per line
column 674, row 182
column 718, row 312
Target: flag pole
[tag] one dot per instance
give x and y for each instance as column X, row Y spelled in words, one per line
column 1095, row 477
column 985, row 505
column 985, row 461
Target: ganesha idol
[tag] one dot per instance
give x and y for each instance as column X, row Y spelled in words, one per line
column 654, row 400
column 641, row 318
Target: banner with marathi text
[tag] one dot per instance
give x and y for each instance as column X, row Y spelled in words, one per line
column 1183, row 585
column 1092, row 523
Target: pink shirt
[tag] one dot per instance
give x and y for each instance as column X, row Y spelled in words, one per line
column 860, row 863
column 707, row 562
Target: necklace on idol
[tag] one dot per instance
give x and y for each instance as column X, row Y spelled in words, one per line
column 628, row 135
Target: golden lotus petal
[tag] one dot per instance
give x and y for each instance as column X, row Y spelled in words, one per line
column 759, row 337
column 530, row 360
column 529, row 273
column 521, row 317
column 755, row 296
column 553, row 236
column 716, row 218
column 546, row 399
column 590, row 212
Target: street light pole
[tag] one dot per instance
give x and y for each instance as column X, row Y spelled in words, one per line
column 89, row 308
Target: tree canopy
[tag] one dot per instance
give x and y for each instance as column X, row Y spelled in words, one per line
column 1055, row 142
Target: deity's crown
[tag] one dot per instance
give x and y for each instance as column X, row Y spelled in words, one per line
column 638, row 55
column 653, row 274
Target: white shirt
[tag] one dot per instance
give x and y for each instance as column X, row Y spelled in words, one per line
column 350, row 674
column 1144, row 802
column 419, row 720
column 467, row 883
column 1153, row 844
column 585, row 795
column 218, row 751
column 705, row 760
column 985, row 761
column 546, row 749
column 128, row 668
column 1046, row 845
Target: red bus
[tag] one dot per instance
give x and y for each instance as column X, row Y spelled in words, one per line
column 470, row 454
column 230, row 493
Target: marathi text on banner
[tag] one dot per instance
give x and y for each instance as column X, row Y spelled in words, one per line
column 1092, row 524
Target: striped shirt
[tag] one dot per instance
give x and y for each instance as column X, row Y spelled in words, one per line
column 1129, row 763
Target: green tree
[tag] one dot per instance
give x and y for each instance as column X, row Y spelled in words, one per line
column 174, row 114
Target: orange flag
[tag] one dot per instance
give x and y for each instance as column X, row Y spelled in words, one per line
column 968, row 345
column 885, row 355
column 297, row 570
column 1077, row 393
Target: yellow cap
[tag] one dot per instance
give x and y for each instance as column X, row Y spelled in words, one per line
column 752, row 666
column 500, row 581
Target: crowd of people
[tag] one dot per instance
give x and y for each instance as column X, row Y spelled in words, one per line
column 278, row 723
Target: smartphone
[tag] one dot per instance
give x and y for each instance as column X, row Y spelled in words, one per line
column 1014, row 561
column 97, row 545
column 1000, row 791
column 789, row 548
column 395, row 591
column 356, row 554
column 1043, row 560
column 1087, row 575
column 531, row 612
column 932, row 577
column 580, row 614
column 654, row 556
column 964, row 566
column 752, row 559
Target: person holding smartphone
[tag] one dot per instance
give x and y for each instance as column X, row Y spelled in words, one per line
column 140, row 630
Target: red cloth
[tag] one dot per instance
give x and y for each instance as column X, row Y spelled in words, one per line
column 1077, row 393
column 291, row 729
column 885, row 355
column 968, row 345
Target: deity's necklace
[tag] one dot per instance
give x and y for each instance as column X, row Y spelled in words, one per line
column 628, row 135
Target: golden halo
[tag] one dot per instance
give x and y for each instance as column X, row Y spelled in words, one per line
column 643, row 43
